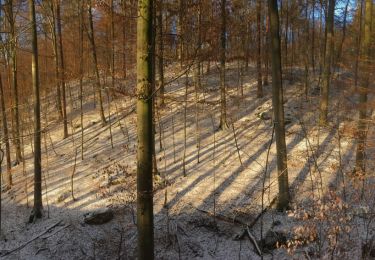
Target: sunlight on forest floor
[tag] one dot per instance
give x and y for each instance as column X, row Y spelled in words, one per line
column 226, row 181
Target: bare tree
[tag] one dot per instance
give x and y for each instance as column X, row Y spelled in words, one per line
column 13, row 55
column 363, row 90
column 161, row 53
column 259, row 50
column 223, row 40
column 278, row 107
column 37, row 210
column 80, row 13
column 95, row 63
column 145, row 129
column 6, row 136
column 327, row 64
column 62, row 69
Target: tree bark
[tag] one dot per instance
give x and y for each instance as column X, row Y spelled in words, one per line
column 37, row 210
column 259, row 50
column 81, row 2
column 223, row 102
column 15, row 108
column 358, row 48
column 266, row 55
column 52, row 22
column 278, row 108
column 5, row 137
column 95, row 63
column 161, row 54
column 61, row 69
column 123, row 6
column 145, row 130
column 306, row 52
column 363, row 90
column 327, row 64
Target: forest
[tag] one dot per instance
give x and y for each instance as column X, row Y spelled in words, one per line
column 187, row 129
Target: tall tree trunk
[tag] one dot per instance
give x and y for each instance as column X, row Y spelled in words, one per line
column 197, row 76
column 112, row 66
column 52, row 22
column 339, row 51
column 266, row 55
column 306, row 52
column 259, row 50
column 123, row 6
column 6, row 136
column 145, row 130
column 278, row 108
column 359, row 40
column 313, row 38
column 286, row 36
column 37, row 210
column 1, row 184
column 153, row 84
column 15, row 108
column 223, row 38
column 161, row 54
column 81, row 6
column 95, row 63
column 199, row 47
column 363, row 91
column 62, row 69
column 327, row 64
column 180, row 31
column 247, row 46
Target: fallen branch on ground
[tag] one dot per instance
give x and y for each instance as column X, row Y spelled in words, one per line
column 31, row 240
column 57, row 231
column 253, row 240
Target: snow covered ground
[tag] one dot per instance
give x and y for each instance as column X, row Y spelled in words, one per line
column 197, row 215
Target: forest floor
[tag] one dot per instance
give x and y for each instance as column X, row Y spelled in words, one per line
column 199, row 211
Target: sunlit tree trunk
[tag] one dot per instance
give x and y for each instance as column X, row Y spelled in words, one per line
column 306, row 51
column 61, row 69
column 266, row 55
column 95, row 63
column 80, row 13
column 278, row 109
column 15, row 108
column 9, row 182
column 339, row 51
column 145, row 130
column 223, row 41
column 358, row 47
column 52, row 22
column 161, row 54
column 313, row 38
column 326, row 77
column 363, row 90
column 37, row 210
column 259, row 50
column 180, row 31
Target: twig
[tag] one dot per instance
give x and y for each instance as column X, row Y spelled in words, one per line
column 31, row 240
column 72, row 176
column 312, row 152
column 54, row 233
column 40, row 250
column 263, row 211
column 120, row 245
column 265, row 177
column 306, row 255
column 253, row 240
column 235, row 139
